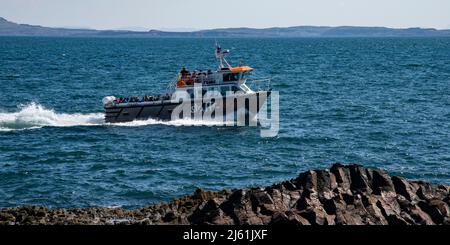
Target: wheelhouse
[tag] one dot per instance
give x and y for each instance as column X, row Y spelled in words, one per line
column 223, row 81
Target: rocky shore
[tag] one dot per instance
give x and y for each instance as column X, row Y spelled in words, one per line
column 351, row 195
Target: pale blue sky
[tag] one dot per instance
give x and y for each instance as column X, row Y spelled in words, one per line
column 205, row 14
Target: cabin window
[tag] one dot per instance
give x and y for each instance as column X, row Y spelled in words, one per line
column 235, row 89
column 230, row 77
column 226, row 77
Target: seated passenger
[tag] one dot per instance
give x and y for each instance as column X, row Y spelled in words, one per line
column 191, row 79
column 194, row 77
column 201, row 77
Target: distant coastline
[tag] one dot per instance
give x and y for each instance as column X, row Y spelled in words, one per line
column 8, row 28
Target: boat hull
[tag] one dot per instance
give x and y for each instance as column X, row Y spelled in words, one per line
column 162, row 110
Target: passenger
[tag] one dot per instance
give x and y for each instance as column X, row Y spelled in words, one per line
column 194, row 77
column 184, row 72
column 208, row 76
column 201, row 77
column 181, row 83
column 190, row 79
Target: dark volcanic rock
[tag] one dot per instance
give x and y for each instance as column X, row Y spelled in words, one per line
column 343, row 195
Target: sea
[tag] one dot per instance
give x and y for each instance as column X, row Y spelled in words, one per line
column 379, row 102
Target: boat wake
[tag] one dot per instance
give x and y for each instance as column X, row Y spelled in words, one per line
column 34, row 116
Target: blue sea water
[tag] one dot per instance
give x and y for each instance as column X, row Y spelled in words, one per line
column 381, row 102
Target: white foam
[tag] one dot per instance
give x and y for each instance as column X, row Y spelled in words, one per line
column 180, row 122
column 34, row 116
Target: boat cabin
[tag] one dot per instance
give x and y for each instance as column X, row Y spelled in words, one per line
column 223, row 80
column 223, row 75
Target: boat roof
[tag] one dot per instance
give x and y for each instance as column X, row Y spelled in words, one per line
column 241, row 68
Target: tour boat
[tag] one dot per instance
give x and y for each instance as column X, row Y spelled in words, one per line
column 196, row 95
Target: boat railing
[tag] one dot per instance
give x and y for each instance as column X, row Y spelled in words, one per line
column 133, row 100
column 262, row 84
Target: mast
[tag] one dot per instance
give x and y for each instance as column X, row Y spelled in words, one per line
column 220, row 55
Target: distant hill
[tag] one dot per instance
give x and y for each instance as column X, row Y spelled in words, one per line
column 8, row 28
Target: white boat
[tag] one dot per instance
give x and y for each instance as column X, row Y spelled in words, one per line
column 221, row 94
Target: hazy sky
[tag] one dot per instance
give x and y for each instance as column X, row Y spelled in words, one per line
column 201, row 14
